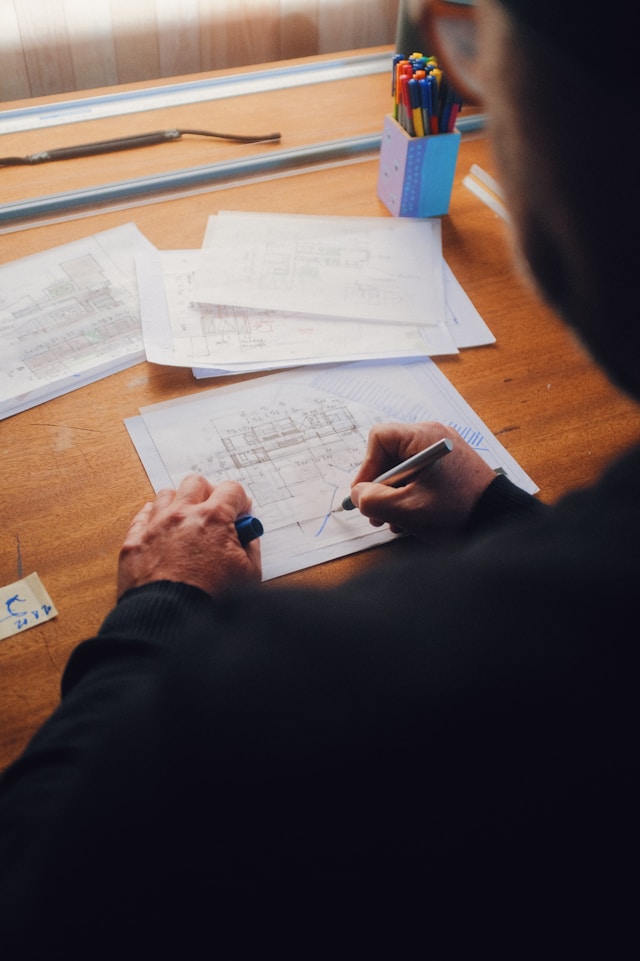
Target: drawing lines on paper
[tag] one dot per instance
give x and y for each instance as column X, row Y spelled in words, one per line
column 219, row 326
column 292, row 461
column 473, row 437
column 309, row 262
column 278, row 267
column 66, row 315
column 200, row 330
column 325, row 519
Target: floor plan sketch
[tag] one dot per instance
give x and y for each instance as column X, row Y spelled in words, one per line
column 67, row 313
column 224, row 324
column 70, row 318
column 309, row 454
column 373, row 268
column 296, row 439
column 180, row 332
column 296, row 456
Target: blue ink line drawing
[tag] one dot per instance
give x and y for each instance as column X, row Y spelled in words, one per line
column 10, row 601
column 473, row 437
column 328, row 514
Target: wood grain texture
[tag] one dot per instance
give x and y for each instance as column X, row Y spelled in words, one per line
column 53, row 46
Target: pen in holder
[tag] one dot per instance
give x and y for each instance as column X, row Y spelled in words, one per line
column 416, row 173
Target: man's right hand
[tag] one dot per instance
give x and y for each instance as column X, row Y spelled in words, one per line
column 439, row 499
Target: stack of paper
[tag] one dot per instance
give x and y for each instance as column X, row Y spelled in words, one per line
column 69, row 316
column 275, row 290
column 264, row 291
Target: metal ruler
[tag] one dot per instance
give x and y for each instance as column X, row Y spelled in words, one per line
column 192, row 179
column 119, row 103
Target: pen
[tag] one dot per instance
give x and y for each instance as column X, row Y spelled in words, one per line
column 398, row 475
column 416, row 111
column 434, row 96
column 248, row 528
column 405, row 100
column 425, row 102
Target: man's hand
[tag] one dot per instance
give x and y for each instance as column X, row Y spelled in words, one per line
column 438, row 499
column 189, row 535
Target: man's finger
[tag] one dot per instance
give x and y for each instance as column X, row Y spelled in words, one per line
column 143, row 515
column 230, row 493
column 194, row 489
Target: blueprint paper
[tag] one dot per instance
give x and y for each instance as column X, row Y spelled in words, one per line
column 295, row 440
column 465, row 327
column 231, row 339
column 69, row 316
column 367, row 268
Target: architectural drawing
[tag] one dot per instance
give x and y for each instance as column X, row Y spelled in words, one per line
column 72, row 317
column 371, row 269
column 180, row 332
column 68, row 313
column 295, row 459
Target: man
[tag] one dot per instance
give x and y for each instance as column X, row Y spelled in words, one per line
column 450, row 740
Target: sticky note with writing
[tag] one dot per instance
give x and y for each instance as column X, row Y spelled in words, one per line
column 24, row 604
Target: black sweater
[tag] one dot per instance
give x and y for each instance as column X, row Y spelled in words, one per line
column 449, row 740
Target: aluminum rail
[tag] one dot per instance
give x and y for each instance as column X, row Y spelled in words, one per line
column 124, row 102
column 274, row 163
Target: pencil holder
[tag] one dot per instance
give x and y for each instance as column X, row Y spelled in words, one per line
column 416, row 173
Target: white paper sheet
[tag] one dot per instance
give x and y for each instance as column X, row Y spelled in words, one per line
column 464, row 323
column 229, row 339
column 295, row 440
column 69, row 316
column 369, row 268
column 465, row 326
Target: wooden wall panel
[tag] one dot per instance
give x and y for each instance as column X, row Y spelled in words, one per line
column 56, row 46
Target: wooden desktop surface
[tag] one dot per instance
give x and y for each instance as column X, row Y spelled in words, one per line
column 71, row 478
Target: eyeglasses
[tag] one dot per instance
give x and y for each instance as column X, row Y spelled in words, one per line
column 450, row 28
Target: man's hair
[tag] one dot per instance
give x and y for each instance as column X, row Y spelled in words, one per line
column 572, row 26
column 559, row 18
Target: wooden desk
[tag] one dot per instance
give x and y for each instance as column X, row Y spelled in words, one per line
column 71, row 479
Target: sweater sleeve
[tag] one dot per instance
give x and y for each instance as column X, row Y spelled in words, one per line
column 145, row 623
column 124, row 660
column 501, row 503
